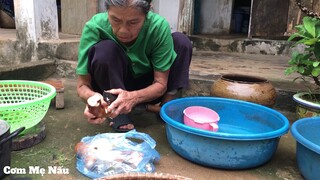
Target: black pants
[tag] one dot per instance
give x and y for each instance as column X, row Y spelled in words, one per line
column 109, row 67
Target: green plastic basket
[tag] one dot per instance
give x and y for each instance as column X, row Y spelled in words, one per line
column 24, row 103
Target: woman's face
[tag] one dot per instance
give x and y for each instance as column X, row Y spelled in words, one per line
column 126, row 23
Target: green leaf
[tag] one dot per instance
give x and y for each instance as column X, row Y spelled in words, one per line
column 311, row 42
column 317, row 50
column 317, row 30
column 295, row 55
column 316, row 72
column 316, row 64
column 302, row 41
column 309, row 24
column 291, row 70
column 301, row 70
column 307, row 71
column 306, row 36
column 291, row 62
column 306, row 56
column 293, row 36
column 310, row 49
column 300, row 28
column 306, row 62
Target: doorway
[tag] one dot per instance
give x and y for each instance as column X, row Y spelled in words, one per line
column 240, row 17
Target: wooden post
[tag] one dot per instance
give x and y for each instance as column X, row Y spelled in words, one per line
column 185, row 17
column 35, row 21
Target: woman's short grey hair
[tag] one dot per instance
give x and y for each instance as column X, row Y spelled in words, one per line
column 142, row 5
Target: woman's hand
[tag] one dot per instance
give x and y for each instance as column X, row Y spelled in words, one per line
column 92, row 118
column 124, row 103
column 96, row 109
column 126, row 100
column 85, row 92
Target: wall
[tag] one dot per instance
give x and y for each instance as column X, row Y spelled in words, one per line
column 46, row 11
column 215, row 16
column 168, row 9
column 295, row 15
column 186, row 17
column 75, row 13
column 101, row 7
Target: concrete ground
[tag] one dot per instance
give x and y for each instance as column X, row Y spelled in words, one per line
column 64, row 128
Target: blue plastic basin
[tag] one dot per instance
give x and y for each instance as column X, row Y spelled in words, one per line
column 248, row 134
column 306, row 132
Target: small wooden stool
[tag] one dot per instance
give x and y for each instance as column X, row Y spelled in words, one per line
column 59, row 99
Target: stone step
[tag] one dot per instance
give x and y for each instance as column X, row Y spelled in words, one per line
column 240, row 44
column 34, row 70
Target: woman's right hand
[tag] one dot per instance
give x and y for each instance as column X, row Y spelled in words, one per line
column 95, row 109
column 93, row 119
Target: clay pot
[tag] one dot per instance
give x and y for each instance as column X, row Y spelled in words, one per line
column 242, row 87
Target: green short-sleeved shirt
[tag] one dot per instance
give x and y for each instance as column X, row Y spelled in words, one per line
column 153, row 49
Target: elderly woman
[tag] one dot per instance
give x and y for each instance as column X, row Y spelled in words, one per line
column 130, row 52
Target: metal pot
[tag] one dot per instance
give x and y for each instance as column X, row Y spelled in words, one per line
column 6, row 144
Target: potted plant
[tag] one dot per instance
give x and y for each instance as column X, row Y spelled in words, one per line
column 307, row 63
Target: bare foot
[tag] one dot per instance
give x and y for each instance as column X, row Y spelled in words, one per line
column 155, row 108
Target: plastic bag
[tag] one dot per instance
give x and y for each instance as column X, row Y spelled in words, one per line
column 115, row 153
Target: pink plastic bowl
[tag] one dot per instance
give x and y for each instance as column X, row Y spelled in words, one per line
column 201, row 117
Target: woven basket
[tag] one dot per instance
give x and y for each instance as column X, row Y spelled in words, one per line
column 24, row 103
column 148, row 176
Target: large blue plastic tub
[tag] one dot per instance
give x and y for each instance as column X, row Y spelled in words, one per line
column 306, row 131
column 248, row 134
